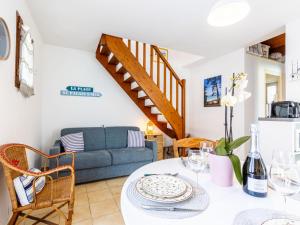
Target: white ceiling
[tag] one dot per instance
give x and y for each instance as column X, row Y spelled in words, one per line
column 176, row 24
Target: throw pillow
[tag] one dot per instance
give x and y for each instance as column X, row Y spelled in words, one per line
column 136, row 139
column 24, row 187
column 73, row 142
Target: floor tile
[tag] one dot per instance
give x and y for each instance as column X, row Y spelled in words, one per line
column 102, row 208
column 116, row 182
column 80, row 188
column 100, row 195
column 117, row 199
column 116, row 190
column 81, row 213
column 81, row 199
column 84, row 222
column 95, row 186
column 112, row 219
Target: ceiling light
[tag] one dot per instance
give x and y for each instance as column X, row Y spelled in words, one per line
column 228, row 12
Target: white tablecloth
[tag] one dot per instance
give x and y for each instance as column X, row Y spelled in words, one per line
column 225, row 202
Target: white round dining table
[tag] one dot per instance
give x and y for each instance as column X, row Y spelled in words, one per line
column 225, row 202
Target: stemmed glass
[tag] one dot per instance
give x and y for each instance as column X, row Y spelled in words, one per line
column 196, row 161
column 206, row 147
column 284, row 177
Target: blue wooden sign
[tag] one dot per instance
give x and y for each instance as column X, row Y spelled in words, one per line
column 80, row 91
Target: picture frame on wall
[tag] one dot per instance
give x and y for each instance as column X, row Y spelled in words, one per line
column 213, row 91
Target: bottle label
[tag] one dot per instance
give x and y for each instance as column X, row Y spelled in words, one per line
column 257, row 185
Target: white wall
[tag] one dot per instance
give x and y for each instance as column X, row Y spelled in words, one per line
column 208, row 122
column 19, row 117
column 292, row 55
column 63, row 67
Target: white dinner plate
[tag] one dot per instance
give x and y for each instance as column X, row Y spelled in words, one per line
column 186, row 195
column 163, row 186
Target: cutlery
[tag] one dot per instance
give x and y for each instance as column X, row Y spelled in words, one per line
column 169, row 208
column 183, row 161
column 168, row 174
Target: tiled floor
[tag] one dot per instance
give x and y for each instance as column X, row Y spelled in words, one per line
column 96, row 203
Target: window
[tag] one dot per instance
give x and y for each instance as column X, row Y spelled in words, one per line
column 24, row 59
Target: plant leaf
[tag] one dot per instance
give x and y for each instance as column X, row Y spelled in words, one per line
column 238, row 142
column 220, row 148
column 236, row 164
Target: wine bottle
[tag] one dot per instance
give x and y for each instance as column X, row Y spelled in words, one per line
column 255, row 177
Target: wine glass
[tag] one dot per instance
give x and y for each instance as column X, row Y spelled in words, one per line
column 284, row 177
column 206, row 147
column 196, row 161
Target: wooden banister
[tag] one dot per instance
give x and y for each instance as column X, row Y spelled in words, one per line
column 162, row 75
column 161, row 56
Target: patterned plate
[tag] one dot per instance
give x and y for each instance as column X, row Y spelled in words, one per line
column 281, row 221
column 186, row 195
column 163, row 186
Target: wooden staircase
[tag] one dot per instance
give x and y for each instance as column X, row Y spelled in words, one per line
column 148, row 79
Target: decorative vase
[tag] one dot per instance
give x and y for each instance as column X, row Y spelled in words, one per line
column 221, row 170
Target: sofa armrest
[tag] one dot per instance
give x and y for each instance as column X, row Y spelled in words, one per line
column 54, row 150
column 152, row 145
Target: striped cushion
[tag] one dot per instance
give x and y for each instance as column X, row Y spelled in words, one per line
column 73, row 142
column 24, row 187
column 136, row 139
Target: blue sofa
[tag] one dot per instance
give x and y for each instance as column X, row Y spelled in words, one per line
column 105, row 154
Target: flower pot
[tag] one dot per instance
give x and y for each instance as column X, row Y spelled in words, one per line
column 221, row 170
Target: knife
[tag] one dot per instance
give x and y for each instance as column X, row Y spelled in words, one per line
column 183, row 161
column 169, row 208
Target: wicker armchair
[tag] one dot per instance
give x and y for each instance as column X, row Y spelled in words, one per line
column 57, row 192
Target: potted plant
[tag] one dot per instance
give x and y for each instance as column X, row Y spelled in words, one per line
column 223, row 162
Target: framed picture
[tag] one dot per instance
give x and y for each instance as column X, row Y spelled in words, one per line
column 4, row 40
column 212, row 91
column 164, row 52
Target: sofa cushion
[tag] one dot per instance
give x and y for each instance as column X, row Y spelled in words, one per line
column 136, row 139
column 88, row 160
column 116, row 137
column 73, row 142
column 94, row 137
column 130, row 155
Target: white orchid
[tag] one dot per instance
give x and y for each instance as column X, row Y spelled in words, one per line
column 228, row 100
column 242, row 84
column 243, row 96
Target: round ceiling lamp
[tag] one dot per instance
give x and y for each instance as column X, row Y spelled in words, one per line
column 228, row 12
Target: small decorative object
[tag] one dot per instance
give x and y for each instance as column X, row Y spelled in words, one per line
column 259, row 49
column 219, row 162
column 4, row 40
column 150, row 128
column 164, row 52
column 24, row 59
column 212, row 91
column 80, row 91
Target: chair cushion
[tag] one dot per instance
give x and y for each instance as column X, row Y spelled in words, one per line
column 24, row 187
column 73, row 142
column 88, row 160
column 116, row 137
column 136, row 139
column 94, row 137
column 130, row 155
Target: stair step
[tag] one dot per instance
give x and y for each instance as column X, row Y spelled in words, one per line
column 129, row 80
column 122, row 70
column 148, row 102
column 149, row 106
column 144, row 98
column 113, row 60
column 104, row 50
column 137, row 88
column 161, row 118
